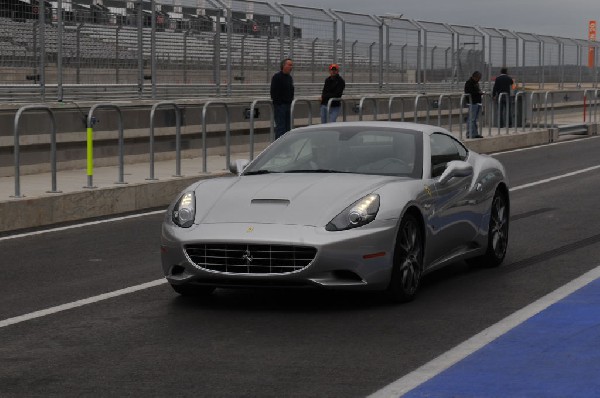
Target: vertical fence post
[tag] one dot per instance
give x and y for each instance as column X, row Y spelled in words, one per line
column 461, row 113
column 153, row 47
column 117, row 66
column 417, row 98
column 91, row 120
column 227, row 135
column 78, row 53
column 293, row 107
column 17, row 147
column 42, row 37
column 271, row 127
column 177, row 137
column 59, row 44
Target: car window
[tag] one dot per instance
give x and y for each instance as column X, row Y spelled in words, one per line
column 444, row 149
column 377, row 151
column 295, row 152
column 462, row 151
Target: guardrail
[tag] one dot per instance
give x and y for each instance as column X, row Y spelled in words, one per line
column 308, row 102
column 22, row 110
column 372, row 99
column 177, row 137
column 227, row 134
column 391, row 101
column 416, row 111
column 90, row 144
column 272, row 126
column 519, row 95
column 541, row 105
column 461, row 115
column 342, row 104
column 591, row 103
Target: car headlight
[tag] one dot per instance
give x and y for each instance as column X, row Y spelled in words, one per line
column 184, row 211
column 359, row 213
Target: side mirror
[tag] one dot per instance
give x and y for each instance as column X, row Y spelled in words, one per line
column 456, row 168
column 238, row 166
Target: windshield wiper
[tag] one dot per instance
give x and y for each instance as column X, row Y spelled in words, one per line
column 250, row 173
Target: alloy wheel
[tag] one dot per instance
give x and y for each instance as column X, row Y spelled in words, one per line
column 410, row 258
column 499, row 226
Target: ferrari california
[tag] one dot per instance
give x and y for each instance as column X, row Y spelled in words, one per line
column 353, row 205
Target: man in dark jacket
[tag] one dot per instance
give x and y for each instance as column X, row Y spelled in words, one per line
column 472, row 88
column 282, row 95
column 333, row 88
column 503, row 84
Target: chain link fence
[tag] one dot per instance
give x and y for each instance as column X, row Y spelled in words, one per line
column 162, row 49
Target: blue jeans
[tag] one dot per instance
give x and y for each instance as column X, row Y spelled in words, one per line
column 282, row 115
column 502, row 112
column 472, row 127
column 334, row 111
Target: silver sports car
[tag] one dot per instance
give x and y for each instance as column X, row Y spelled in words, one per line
column 357, row 205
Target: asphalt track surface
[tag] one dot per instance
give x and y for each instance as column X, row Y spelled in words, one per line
column 257, row 343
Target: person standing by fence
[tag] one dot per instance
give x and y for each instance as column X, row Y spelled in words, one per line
column 503, row 84
column 472, row 88
column 333, row 88
column 282, row 95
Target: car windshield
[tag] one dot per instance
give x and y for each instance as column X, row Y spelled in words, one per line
column 377, row 151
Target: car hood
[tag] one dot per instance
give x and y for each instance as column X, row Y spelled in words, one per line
column 294, row 199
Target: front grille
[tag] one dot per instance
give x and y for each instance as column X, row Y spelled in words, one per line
column 250, row 259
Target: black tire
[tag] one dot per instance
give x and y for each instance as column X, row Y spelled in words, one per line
column 193, row 291
column 408, row 261
column 497, row 233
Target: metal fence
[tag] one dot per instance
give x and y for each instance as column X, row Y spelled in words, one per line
column 174, row 49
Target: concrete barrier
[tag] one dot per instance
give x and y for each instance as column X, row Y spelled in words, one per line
column 51, row 209
column 23, row 213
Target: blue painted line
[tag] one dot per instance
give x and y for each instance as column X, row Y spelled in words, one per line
column 555, row 353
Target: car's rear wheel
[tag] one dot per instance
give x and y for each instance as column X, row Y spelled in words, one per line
column 192, row 290
column 497, row 233
column 408, row 261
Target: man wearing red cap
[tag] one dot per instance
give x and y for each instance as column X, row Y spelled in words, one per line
column 333, row 88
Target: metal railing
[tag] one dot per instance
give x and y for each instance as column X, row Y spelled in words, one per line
column 227, row 134
column 144, row 52
column 17, row 162
column 91, row 121
column 535, row 109
column 271, row 127
column 173, row 105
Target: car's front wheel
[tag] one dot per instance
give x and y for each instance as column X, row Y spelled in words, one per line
column 408, row 261
column 193, row 291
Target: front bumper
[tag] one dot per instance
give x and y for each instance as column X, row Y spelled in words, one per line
column 360, row 258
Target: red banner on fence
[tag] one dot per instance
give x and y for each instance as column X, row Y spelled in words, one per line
column 591, row 50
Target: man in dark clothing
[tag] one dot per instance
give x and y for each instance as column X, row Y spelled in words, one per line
column 333, row 88
column 282, row 95
column 472, row 88
column 503, row 84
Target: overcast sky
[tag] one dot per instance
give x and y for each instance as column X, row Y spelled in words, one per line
column 565, row 18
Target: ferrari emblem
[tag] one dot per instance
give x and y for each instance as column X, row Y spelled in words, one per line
column 250, row 229
column 428, row 190
column 247, row 257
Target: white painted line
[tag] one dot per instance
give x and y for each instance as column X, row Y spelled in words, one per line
column 80, row 225
column 468, row 347
column 532, row 184
column 571, row 174
column 544, row 145
column 79, row 303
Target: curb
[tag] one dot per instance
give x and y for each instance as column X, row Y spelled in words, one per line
column 74, row 206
